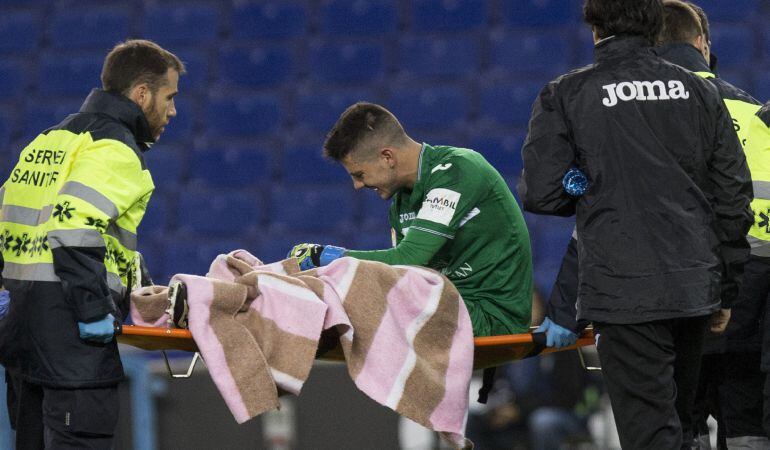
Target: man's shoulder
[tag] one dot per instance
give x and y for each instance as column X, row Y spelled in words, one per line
column 731, row 92
column 100, row 127
column 764, row 114
column 457, row 163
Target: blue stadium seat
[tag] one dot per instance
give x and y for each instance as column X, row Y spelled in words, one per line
column 157, row 218
column 71, row 74
column 180, row 128
column 274, row 244
column 224, row 213
column 582, row 47
column 340, row 62
column 303, row 162
column 167, row 164
column 734, row 44
column 441, row 15
column 318, row 109
column 89, row 27
column 369, row 17
column 549, row 236
column 373, row 239
column 503, row 151
column 538, row 13
column 312, row 207
column 231, row 166
column 243, row 115
column 257, row 65
column 534, row 51
column 152, row 250
column 737, row 76
column 43, row 113
column 451, row 57
column 762, row 85
column 197, row 64
column 509, row 103
column 764, row 49
column 6, row 127
column 14, row 76
column 194, row 256
column 20, row 31
column 732, row 11
column 181, row 23
column 374, row 211
column 422, row 107
column 274, row 19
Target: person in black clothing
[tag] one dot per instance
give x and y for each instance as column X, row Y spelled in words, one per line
column 662, row 226
column 730, row 386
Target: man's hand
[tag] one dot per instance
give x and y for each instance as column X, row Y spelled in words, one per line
column 556, row 335
column 719, row 320
column 311, row 256
column 101, row 330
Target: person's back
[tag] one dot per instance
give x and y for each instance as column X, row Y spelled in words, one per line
column 661, row 226
column 643, row 131
column 488, row 258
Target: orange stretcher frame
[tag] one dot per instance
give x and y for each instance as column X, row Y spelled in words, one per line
column 490, row 351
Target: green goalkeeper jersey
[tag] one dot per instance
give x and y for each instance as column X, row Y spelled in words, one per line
column 462, row 219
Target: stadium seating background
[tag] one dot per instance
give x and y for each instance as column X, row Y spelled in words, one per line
column 240, row 166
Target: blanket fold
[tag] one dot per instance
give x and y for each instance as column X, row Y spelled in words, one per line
column 404, row 330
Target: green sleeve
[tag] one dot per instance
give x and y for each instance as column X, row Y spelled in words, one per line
column 416, row 249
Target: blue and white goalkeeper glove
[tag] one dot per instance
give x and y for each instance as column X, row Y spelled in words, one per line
column 311, row 256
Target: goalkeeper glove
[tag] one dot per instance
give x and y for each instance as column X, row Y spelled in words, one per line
column 311, row 256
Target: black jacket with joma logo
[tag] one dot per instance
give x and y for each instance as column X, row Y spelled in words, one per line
column 667, row 208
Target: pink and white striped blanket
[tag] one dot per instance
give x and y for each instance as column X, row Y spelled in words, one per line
column 404, row 330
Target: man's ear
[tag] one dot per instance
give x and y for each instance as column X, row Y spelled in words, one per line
column 389, row 155
column 141, row 95
column 702, row 46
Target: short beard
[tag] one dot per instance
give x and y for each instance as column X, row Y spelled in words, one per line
column 154, row 121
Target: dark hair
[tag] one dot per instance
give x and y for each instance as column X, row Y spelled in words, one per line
column 704, row 20
column 138, row 61
column 363, row 127
column 680, row 23
column 636, row 17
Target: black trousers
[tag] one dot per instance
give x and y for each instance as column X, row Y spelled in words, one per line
column 651, row 371
column 729, row 390
column 46, row 418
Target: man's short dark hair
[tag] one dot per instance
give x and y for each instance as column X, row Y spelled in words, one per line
column 361, row 128
column 135, row 62
column 704, row 21
column 634, row 17
column 680, row 23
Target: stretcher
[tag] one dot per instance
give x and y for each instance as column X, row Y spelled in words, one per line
column 490, row 351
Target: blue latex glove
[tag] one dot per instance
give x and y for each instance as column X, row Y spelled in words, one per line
column 5, row 302
column 575, row 182
column 311, row 256
column 556, row 335
column 101, row 330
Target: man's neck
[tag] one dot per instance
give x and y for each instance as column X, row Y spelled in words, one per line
column 411, row 153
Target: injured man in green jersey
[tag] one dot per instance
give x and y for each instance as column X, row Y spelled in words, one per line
column 451, row 211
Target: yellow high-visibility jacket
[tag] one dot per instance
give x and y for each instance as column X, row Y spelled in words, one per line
column 68, row 218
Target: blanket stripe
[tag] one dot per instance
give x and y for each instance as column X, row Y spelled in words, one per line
column 405, row 333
